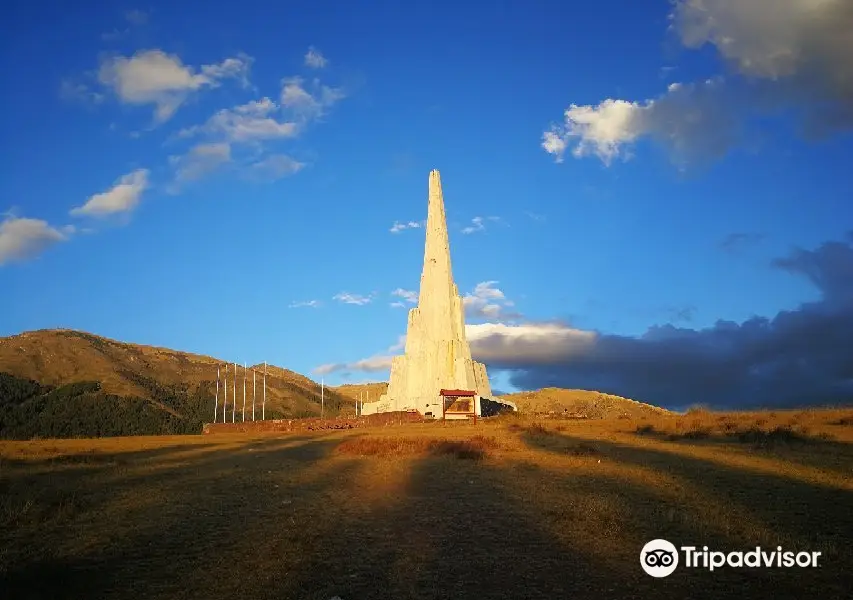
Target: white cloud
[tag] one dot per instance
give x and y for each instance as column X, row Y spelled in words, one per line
column 487, row 302
column 478, row 224
column 262, row 121
column 409, row 296
column 77, row 91
column 306, row 304
column 693, row 122
column 400, row 345
column 22, row 238
column 555, row 142
column 201, row 160
column 248, row 122
column 307, row 105
column 122, row 197
column 356, row 299
column 792, row 55
column 378, row 362
column 315, row 59
column 276, row 166
column 397, row 227
column 374, row 363
column 136, row 17
column 486, row 290
column 249, row 125
column 154, row 77
column 529, row 343
column 371, row 364
column 601, row 130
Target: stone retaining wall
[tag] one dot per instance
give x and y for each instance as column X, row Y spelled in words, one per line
column 287, row 425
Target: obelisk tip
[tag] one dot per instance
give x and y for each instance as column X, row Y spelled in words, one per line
column 434, row 181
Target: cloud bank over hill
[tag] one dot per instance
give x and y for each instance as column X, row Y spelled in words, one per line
column 798, row 357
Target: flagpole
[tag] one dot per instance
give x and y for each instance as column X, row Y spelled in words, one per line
column 244, row 392
column 216, row 405
column 264, row 405
column 225, row 388
column 254, row 392
column 234, row 405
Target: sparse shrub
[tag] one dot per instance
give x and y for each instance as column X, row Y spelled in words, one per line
column 848, row 421
column 697, row 410
column 645, row 429
column 729, row 426
column 781, row 434
column 697, row 432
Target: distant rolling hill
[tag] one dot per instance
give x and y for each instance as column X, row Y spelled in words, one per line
column 369, row 392
column 580, row 403
column 62, row 383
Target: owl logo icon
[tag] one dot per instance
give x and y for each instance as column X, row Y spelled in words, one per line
column 659, row 558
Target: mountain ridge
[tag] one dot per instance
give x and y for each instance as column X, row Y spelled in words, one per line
column 171, row 381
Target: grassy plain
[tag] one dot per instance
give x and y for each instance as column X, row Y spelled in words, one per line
column 506, row 508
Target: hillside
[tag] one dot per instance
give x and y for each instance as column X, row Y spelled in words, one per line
column 369, row 392
column 114, row 377
column 580, row 404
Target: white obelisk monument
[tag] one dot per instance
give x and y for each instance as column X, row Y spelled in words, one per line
column 437, row 354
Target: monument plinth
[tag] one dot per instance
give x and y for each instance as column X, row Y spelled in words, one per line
column 437, row 356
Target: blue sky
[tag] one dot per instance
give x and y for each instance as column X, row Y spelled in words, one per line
column 227, row 181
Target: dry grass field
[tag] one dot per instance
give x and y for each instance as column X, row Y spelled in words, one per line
column 506, row 508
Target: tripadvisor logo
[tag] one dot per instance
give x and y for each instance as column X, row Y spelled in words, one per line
column 659, row 558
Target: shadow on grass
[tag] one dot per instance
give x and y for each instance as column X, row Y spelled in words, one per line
column 509, row 529
column 784, row 442
column 813, row 515
column 294, row 518
column 163, row 527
